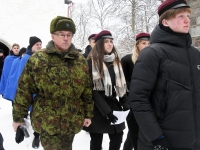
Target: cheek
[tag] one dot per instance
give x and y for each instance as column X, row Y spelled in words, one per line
column 146, row 45
column 176, row 24
column 56, row 41
column 111, row 47
column 141, row 47
column 106, row 50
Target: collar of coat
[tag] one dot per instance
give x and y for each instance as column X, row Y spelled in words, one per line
column 72, row 52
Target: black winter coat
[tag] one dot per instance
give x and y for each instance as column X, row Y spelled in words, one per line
column 127, row 65
column 104, row 105
column 165, row 91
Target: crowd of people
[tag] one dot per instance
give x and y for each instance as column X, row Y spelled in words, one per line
column 11, row 70
column 65, row 91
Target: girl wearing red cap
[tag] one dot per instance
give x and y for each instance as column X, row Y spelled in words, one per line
column 128, row 61
column 164, row 90
column 108, row 84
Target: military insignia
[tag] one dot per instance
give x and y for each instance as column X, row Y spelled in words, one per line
column 67, row 25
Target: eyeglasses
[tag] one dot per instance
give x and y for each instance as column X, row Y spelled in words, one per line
column 61, row 35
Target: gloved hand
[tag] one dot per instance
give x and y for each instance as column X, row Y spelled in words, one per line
column 161, row 144
column 19, row 135
column 112, row 118
column 124, row 102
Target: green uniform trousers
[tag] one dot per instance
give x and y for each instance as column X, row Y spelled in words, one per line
column 57, row 142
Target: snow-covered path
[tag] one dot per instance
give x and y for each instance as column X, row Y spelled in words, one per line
column 81, row 141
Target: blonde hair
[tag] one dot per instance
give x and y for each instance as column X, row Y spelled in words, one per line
column 135, row 51
column 171, row 13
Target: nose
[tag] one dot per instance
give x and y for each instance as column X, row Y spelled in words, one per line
column 187, row 20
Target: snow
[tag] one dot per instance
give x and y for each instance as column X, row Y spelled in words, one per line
column 81, row 140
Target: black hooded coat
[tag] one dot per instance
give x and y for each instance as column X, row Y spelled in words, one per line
column 165, row 91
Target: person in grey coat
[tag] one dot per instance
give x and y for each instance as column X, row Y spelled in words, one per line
column 165, row 91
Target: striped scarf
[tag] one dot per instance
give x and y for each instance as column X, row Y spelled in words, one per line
column 106, row 86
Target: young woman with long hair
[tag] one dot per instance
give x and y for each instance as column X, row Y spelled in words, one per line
column 109, row 92
column 142, row 41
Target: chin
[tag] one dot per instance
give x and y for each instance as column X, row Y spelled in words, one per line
column 185, row 32
column 182, row 31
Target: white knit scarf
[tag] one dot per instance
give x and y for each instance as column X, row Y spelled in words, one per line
column 106, row 86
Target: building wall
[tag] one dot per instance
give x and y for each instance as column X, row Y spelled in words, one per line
column 195, row 22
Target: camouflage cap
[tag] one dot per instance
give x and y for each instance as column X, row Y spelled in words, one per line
column 62, row 23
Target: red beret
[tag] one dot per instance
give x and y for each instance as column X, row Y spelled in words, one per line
column 91, row 36
column 171, row 4
column 103, row 34
column 143, row 35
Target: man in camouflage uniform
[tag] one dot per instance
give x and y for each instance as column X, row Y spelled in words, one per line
column 59, row 77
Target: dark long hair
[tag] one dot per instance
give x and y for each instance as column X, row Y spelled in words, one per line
column 97, row 54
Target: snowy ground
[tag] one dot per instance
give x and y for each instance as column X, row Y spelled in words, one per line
column 81, row 141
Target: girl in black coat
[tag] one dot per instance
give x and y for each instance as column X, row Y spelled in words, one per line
column 128, row 61
column 108, row 84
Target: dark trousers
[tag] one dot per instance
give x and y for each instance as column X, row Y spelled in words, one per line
column 132, row 136
column 1, row 142
column 128, row 144
column 115, row 141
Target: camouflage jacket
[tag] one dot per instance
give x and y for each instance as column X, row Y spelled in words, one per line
column 63, row 91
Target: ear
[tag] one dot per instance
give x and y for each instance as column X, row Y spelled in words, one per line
column 165, row 23
column 52, row 36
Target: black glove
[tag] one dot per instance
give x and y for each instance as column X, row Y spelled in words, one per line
column 19, row 135
column 112, row 118
column 160, row 144
column 124, row 102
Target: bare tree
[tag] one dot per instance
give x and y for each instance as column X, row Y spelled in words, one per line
column 124, row 18
column 81, row 14
column 103, row 12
